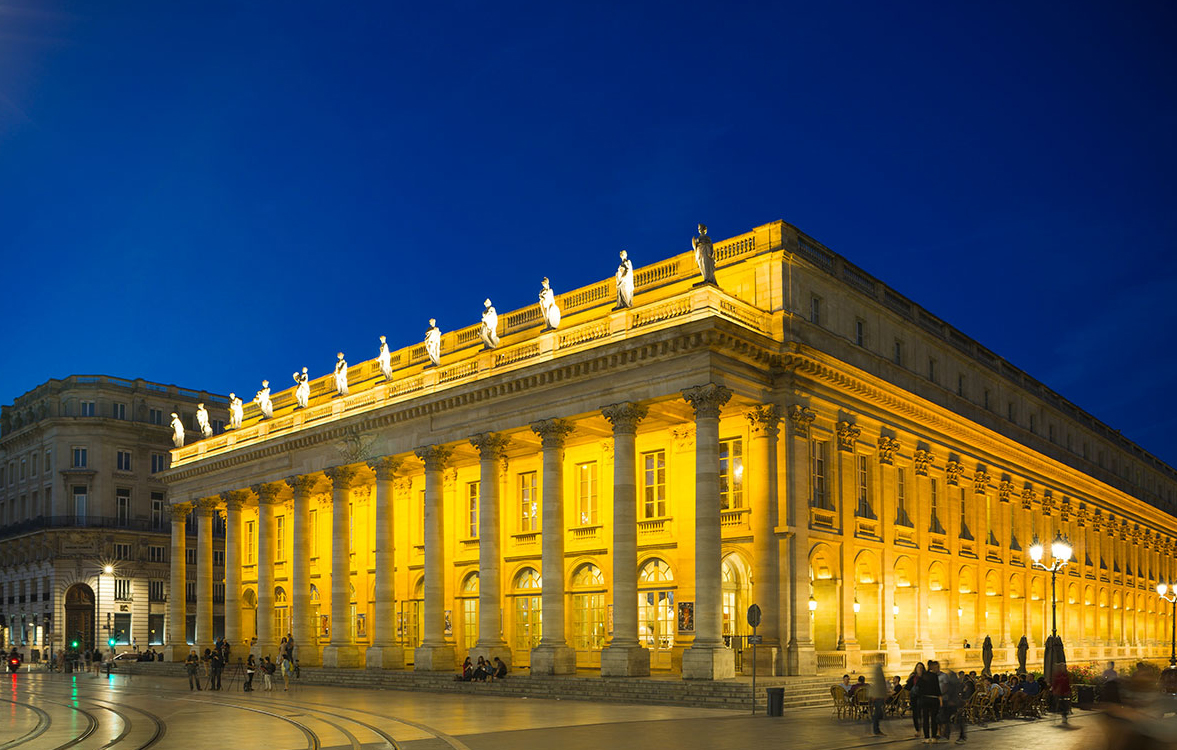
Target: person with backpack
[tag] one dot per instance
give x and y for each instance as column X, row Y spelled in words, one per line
column 952, row 692
column 268, row 673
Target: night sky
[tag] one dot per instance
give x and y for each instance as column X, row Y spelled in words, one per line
column 207, row 194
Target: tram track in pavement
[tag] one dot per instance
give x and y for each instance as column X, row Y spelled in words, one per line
column 44, row 721
column 91, row 722
column 119, row 711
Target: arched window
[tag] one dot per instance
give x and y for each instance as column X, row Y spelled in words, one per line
column 469, row 597
column 588, row 608
column 528, row 617
column 656, row 616
column 281, row 613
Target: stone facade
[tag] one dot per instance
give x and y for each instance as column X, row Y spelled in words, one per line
column 613, row 494
column 80, row 488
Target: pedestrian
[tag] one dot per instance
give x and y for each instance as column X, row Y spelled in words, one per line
column 250, row 669
column 216, row 666
column 952, row 694
column 191, row 665
column 284, row 669
column 878, row 697
column 268, row 673
column 97, row 661
column 1060, row 686
column 929, row 686
column 913, row 694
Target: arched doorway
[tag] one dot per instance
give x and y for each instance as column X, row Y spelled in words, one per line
column 469, row 603
column 737, row 595
column 79, row 616
column 657, row 625
column 249, row 615
column 588, row 614
column 527, row 592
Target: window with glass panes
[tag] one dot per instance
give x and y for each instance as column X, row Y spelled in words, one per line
column 159, row 462
column 470, row 610
column 122, row 506
column 156, row 511
column 934, row 523
column 817, row 475
column 528, row 502
column 862, row 472
column 965, row 533
column 79, row 493
column 249, row 542
column 901, row 516
column 588, row 608
column 731, row 474
column 656, row 616
column 528, row 616
column 586, row 493
column 472, row 490
column 79, row 457
column 654, row 484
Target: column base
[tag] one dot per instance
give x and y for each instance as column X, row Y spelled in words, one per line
column 385, row 657
column 434, row 659
column 344, row 656
column 708, row 663
column 801, row 659
column 308, row 656
column 176, row 652
column 553, row 660
column 767, row 657
column 490, row 652
column 625, row 661
column 260, row 649
column 894, row 654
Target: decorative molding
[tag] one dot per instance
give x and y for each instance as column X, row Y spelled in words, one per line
column 355, row 447
column 923, row 460
column 303, row 484
column 492, row 445
column 206, row 507
column 625, row 416
column 178, row 511
column 847, row 436
column 952, row 471
column 764, row 421
column 269, row 493
column 553, row 432
column 683, row 437
column 343, row 477
column 707, row 399
column 449, row 479
column 802, row 418
column 401, row 486
column 1028, row 496
column 435, row 457
column 385, row 467
column 888, row 447
column 607, row 449
column 1005, row 491
column 981, row 482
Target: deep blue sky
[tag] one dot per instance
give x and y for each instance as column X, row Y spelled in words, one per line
column 212, row 193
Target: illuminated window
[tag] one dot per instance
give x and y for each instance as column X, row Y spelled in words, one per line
column 249, row 537
column 656, row 615
column 528, row 503
column 470, row 610
column 862, row 471
column 280, row 539
column 472, row 490
column 588, row 608
column 586, row 493
column 934, row 525
column 901, row 516
column 731, row 474
column 281, row 611
column 654, row 484
column 817, row 475
column 528, row 615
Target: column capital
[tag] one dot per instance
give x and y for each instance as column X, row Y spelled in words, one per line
column 269, row 493
column 302, row 484
column 923, row 460
column 235, row 499
column 343, row 477
column 624, row 416
column 764, row 420
column 491, row 445
column 553, row 432
column 385, row 467
column 848, row 434
column 981, row 481
column 888, row 447
column 802, row 417
column 179, row 511
column 435, row 456
column 206, row 507
column 707, row 399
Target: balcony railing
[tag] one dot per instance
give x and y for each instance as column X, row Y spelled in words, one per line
column 41, row 523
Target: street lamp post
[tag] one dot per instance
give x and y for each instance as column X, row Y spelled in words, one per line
column 108, row 569
column 1168, row 592
column 1060, row 553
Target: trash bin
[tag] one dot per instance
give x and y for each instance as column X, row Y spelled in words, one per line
column 1086, row 696
column 776, row 701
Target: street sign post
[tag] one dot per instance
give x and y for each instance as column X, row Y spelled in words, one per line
column 754, row 621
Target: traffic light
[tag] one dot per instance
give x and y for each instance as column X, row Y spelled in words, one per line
column 110, row 642
column 73, row 644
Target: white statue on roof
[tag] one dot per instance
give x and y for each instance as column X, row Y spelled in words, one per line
column 384, row 358
column 433, row 342
column 177, row 431
column 262, row 399
column 236, row 411
column 489, row 330
column 302, row 388
column 206, row 429
column 625, row 282
column 340, row 375
column 548, row 306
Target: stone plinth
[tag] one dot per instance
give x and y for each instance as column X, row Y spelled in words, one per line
column 701, row 663
column 434, row 659
column 553, row 660
column 625, row 661
column 384, row 657
column 341, row 656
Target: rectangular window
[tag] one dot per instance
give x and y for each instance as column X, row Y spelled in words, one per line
column 249, row 539
column 218, row 558
column 960, row 385
column 586, row 493
column 155, row 416
column 862, row 470
column 122, row 551
column 119, row 411
column 33, row 465
column 1031, row 423
column 989, row 535
column 79, row 457
column 901, row 516
column 79, row 504
column 815, row 309
column 932, row 369
column 898, row 352
column 48, row 462
column 218, row 593
column 817, row 475
column 23, row 468
column 1050, row 432
column 964, row 518
column 189, row 591
column 159, row 462
column 472, row 509
column 157, row 553
column 122, row 628
column 190, row 556
column 314, row 533
column 123, row 460
column 731, row 474
column 528, row 503
column 654, row 484
column 1011, row 411
column 87, row 408
column 935, row 526
column 122, row 589
column 280, row 536
column 860, row 333
column 155, row 591
column 122, row 506
column 156, row 511
column 218, row 426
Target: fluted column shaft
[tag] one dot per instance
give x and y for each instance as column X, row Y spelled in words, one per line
column 707, row 658
column 625, row 418
column 553, row 655
column 434, row 654
column 342, row 480
column 302, row 625
column 384, row 629
column 492, row 455
column 764, row 422
column 177, row 609
column 268, row 497
column 205, row 508
column 234, row 502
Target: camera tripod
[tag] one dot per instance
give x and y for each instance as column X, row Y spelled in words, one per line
column 235, row 672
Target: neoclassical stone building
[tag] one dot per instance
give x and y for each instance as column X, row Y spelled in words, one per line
column 615, row 493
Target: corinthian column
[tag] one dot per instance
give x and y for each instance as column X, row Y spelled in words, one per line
column 385, row 652
column 268, row 495
column 177, row 648
column 624, row 656
column 553, row 655
column 766, row 587
column 434, row 654
column 302, row 624
column 707, row 658
column 234, row 502
column 492, row 451
column 206, row 507
column 341, row 651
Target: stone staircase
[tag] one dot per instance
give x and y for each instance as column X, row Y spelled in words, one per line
column 736, row 694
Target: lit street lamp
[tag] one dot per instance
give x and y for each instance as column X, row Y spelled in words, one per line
column 1168, row 592
column 107, row 569
column 1060, row 555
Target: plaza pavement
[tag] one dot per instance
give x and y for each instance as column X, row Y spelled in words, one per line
column 148, row 711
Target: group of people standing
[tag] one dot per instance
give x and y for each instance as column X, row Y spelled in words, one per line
column 286, row 666
column 211, row 665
